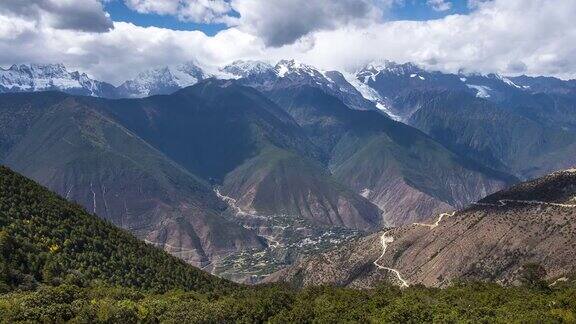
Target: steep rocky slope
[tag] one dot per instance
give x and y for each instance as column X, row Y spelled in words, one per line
column 406, row 173
column 278, row 182
column 533, row 222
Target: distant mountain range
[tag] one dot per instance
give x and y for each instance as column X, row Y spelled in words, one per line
column 248, row 169
column 375, row 84
column 151, row 166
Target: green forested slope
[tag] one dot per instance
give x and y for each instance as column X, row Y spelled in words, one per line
column 60, row 264
column 45, row 239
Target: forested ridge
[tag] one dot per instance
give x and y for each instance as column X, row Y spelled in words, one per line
column 44, row 239
column 58, row 263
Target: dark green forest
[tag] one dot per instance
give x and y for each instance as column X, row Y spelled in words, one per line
column 462, row 302
column 58, row 263
column 44, row 239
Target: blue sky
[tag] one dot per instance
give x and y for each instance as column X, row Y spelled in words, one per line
column 119, row 12
column 418, row 10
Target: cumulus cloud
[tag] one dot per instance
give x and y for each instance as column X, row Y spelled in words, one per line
column 493, row 38
column 280, row 22
column 506, row 36
column 200, row 11
column 124, row 51
column 86, row 15
column 439, row 5
column 277, row 22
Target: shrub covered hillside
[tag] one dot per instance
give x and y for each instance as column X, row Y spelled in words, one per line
column 460, row 303
column 60, row 264
column 46, row 240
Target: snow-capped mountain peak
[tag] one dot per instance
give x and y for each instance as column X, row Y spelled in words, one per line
column 162, row 80
column 247, row 68
column 40, row 70
column 42, row 77
column 373, row 69
column 287, row 68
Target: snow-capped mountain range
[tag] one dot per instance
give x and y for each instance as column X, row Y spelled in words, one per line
column 373, row 87
column 43, row 77
column 290, row 73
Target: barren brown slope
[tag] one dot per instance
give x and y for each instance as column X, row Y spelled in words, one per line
column 278, row 182
column 532, row 222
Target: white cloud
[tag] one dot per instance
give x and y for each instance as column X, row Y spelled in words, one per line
column 505, row 36
column 439, row 5
column 86, row 15
column 14, row 27
column 280, row 22
column 124, row 51
column 277, row 22
column 161, row 7
column 475, row 4
column 205, row 11
column 494, row 38
column 200, row 11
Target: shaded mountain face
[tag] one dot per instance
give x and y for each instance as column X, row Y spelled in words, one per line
column 81, row 153
column 211, row 128
column 406, row 173
column 149, row 165
column 548, row 109
column 533, row 222
column 230, row 129
column 507, row 139
column 523, row 126
column 394, row 84
column 391, row 79
column 547, row 85
column 46, row 239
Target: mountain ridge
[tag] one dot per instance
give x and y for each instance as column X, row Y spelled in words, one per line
column 45, row 239
column 150, row 165
column 490, row 240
